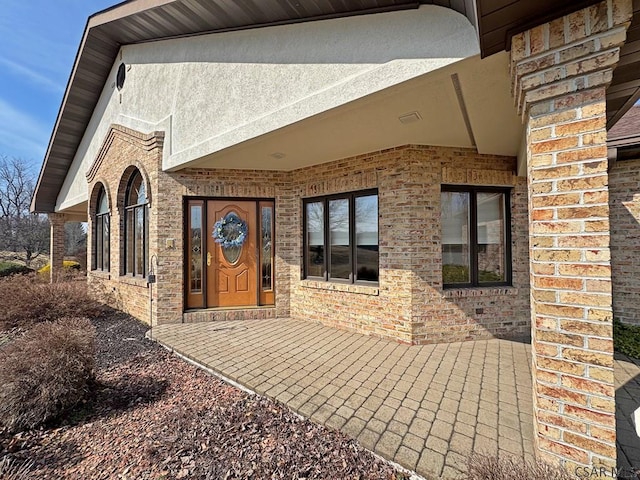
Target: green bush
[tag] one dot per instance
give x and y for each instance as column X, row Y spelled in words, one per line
column 626, row 339
column 8, row 269
column 26, row 300
column 46, row 372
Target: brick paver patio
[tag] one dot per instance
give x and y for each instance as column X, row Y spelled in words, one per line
column 424, row 407
column 627, row 373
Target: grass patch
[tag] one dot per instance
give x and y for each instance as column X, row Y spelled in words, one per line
column 626, row 339
column 12, row 469
column 9, row 268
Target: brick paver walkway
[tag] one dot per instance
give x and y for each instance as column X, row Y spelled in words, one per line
column 627, row 372
column 424, row 407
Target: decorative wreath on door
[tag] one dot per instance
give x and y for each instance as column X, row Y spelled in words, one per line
column 230, row 231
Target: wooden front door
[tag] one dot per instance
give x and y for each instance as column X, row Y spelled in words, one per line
column 229, row 276
column 232, row 270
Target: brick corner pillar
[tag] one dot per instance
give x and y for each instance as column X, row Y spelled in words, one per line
column 56, row 245
column 560, row 72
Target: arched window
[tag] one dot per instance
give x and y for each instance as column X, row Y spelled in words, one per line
column 101, row 232
column 136, row 227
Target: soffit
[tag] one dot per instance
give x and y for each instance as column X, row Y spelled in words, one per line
column 499, row 20
column 627, row 131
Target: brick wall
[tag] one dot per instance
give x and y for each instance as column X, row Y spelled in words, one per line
column 124, row 150
column 56, row 244
column 560, row 71
column 409, row 304
column 624, row 212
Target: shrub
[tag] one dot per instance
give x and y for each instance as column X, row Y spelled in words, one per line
column 26, row 300
column 490, row 467
column 46, row 372
column 69, row 266
column 626, row 338
column 7, row 269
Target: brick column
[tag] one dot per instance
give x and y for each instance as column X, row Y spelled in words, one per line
column 56, row 246
column 560, row 71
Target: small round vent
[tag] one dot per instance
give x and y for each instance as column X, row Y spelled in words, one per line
column 122, row 73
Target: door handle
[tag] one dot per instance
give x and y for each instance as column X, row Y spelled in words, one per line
column 208, row 259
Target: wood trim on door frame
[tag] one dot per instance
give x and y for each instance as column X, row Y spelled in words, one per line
column 185, row 229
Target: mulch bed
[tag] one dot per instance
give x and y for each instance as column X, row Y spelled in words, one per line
column 154, row 416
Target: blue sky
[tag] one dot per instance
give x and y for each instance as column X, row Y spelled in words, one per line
column 38, row 43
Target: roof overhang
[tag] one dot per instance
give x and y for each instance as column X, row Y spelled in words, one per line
column 623, row 140
column 137, row 21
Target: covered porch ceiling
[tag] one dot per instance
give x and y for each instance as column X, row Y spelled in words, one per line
column 467, row 104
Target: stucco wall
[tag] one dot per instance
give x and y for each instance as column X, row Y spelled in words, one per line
column 624, row 211
column 214, row 91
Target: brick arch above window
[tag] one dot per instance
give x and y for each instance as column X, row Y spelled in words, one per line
column 134, row 222
column 95, row 193
column 146, row 142
column 100, row 222
column 129, row 171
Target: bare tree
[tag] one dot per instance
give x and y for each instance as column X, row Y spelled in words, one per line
column 75, row 238
column 23, row 233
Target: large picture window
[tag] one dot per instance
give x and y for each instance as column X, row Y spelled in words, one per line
column 101, row 233
column 341, row 237
column 136, row 226
column 476, row 238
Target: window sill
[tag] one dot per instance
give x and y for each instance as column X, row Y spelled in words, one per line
column 479, row 292
column 341, row 287
column 130, row 280
column 103, row 274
